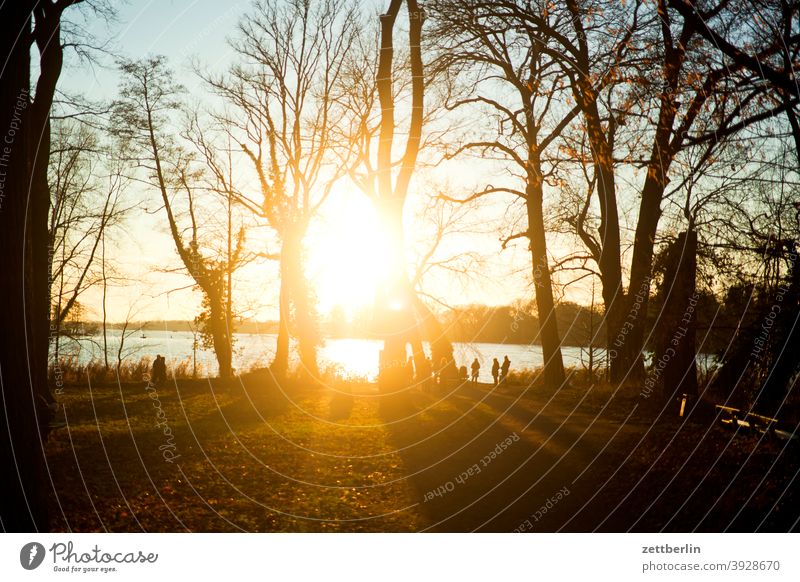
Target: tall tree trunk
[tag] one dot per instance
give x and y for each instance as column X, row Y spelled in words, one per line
column 280, row 363
column 104, row 302
column 394, row 307
column 47, row 35
column 220, row 337
column 661, row 157
column 674, row 361
column 39, row 282
column 785, row 345
column 23, row 504
column 610, row 252
column 641, row 267
column 305, row 322
column 601, row 145
column 548, row 324
column 296, row 309
column 610, row 255
column 229, row 290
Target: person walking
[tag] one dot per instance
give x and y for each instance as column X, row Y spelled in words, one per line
column 496, row 371
column 504, row 369
column 475, row 368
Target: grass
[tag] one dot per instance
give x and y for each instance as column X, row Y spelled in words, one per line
column 252, row 455
column 244, row 461
column 70, row 371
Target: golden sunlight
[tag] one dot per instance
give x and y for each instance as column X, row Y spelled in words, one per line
column 347, row 253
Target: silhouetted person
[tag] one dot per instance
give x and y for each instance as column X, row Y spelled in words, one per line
column 504, row 369
column 462, row 373
column 476, row 368
column 159, row 370
column 496, row 371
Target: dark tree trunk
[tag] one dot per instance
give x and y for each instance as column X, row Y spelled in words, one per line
column 400, row 316
column 609, row 260
column 786, row 345
column 545, row 306
column 661, row 157
column 296, row 308
column 39, row 282
column 674, row 360
column 23, row 505
column 220, row 336
column 394, row 305
column 641, row 268
column 280, row 363
column 611, row 271
column 304, row 319
column 393, row 310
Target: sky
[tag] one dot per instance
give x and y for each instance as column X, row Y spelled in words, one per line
column 340, row 264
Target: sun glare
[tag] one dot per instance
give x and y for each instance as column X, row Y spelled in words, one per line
column 347, row 253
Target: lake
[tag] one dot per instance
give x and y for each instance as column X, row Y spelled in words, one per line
column 351, row 357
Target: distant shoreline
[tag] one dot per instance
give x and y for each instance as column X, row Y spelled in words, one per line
column 271, row 328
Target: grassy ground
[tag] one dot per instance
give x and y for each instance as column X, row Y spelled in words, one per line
column 253, row 456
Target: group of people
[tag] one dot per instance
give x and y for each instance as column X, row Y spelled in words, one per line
column 499, row 371
column 450, row 371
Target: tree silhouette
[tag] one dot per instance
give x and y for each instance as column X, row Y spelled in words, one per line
column 486, row 46
column 25, row 123
column 282, row 111
column 148, row 97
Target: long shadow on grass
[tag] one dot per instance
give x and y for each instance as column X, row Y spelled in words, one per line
column 488, row 466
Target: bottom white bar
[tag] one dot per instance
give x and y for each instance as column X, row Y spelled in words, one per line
column 399, row 557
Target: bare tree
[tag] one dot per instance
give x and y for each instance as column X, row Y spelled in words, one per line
column 127, row 330
column 148, row 99
column 378, row 88
column 282, row 110
column 608, row 52
column 86, row 185
column 702, row 103
column 758, row 35
column 512, row 78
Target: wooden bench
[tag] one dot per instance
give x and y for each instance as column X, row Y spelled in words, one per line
column 751, row 420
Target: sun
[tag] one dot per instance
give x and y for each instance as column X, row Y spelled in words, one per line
column 347, row 253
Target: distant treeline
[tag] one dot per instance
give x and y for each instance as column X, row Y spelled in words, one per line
column 717, row 320
column 91, row 327
column 516, row 324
